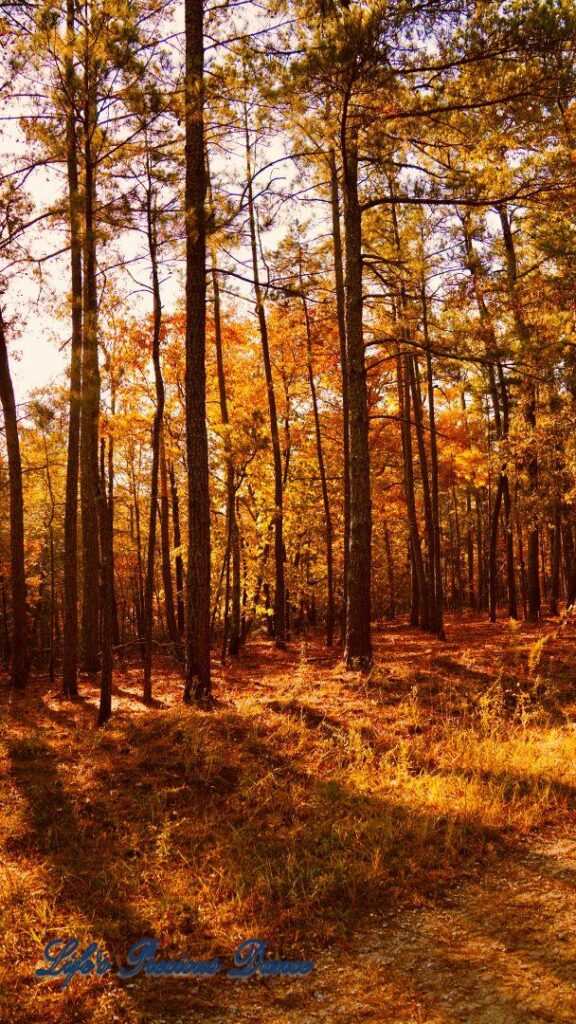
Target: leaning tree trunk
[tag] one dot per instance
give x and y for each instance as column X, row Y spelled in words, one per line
column 358, row 654
column 19, row 670
column 197, row 684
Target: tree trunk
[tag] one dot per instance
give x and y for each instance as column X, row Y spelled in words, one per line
column 156, row 432
column 391, row 609
column 341, row 319
column 414, row 591
column 107, row 632
column 509, row 539
column 492, row 563
column 110, row 490
column 139, row 589
column 481, row 602
column 523, row 334
column 70, row 649
column 470, row 550
column 90, row 400
column 569, row 561
column 236, row 619
column 458, row 551
column 178, row 561
column 51, row 517
column 523, row 581
column 197, row 685
column 165, row 553
column 501, row 408
column 410, row 370
column 556, row 558
column 358, row 654
column 534, row 599
column 419, row 585
column 20, row 664
column 232, row 632
column 437, row 574
column 279, row 594
column 322, row 472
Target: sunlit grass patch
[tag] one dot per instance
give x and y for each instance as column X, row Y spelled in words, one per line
column 285, row 813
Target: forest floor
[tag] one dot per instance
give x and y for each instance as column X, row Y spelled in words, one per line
column 412, row 833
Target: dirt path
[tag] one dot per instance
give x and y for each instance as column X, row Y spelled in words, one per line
column 498, row 950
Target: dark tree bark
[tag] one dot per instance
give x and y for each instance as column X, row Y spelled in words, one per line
column 569, row 559
column 470, row 550
column 414, row 591
column 139, row 589
column 111, row 506
column 107, row 603
column 236, row 619
column 556, row 558
column 458, row 549
column 90, row 400
column 492, row 550
column 20, row 661
column 51, row 553
column 524, row 337
column 358, row 653
column 391, row 607
column 410, row 370
column 501, row 408
column 437, row 560
column 523, row 578
column 341, row 319
column 412, row 375
column 416, row 548
column 197, row 684
column 481, row 598
column 156, row 432
column 70, row 648
column 534, row 597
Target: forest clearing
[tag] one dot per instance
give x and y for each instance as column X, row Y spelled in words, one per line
column 411, row 832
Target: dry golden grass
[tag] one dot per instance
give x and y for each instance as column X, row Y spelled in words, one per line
column 307, row 797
